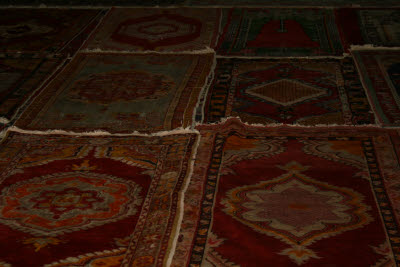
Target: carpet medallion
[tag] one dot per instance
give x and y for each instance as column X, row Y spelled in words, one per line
column 19, row 77
column 41, row 30
column 121, row 93
column 87, row 201
column 309, row 197
column 380, row 72
column 279, row 32
column 292, row 91
column 379, row 27
column 157, row 29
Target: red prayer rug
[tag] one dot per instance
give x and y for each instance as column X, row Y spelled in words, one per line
column 44, row 30
column 290, row 91
column 292, row 197
column 91, row 201
column 279, row 32
column 168, row 29
column 20, row 76
column 119, row 92
column 380, row 27
column 380, row 73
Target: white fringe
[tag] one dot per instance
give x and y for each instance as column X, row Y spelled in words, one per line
column 206, row 50
column 344, row 55
column 181, row 130
column 182, row 201
column 296, row 125
column 204, row 90
column 83, row 29
column 371, row 47
column 4, row 120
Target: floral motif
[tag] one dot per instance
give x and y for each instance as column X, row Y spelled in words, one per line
column 131, row 85
column 297, row 210
column 65, row 202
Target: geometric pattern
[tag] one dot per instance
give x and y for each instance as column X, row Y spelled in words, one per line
column 169, row 29
column 68, row 202
column 290, row 91
column 310, row 190
column 378, row 27
column 189, row 136
column 383, row 31
column 297, row 210
column 121, row 93
column 285, row 92
column 379, row 71
column 278, row 32
column 91, row 200
column 36, row 30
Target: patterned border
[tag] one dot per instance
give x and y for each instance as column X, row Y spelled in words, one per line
column 378, row 90
column 382, row 199
column 163, row 221
column 179, row 112
column 355, row 106
column 205, row 218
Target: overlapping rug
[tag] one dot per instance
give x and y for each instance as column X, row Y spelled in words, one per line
column 291, row 196
column 84, row 201
column 200, row 133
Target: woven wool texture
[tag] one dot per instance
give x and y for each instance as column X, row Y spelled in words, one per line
column 199, row 133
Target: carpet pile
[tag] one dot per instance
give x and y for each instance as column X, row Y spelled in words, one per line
column 199, row 133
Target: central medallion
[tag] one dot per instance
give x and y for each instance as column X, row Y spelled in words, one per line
column 65, row 202
column 158, row 30
column 297, row 210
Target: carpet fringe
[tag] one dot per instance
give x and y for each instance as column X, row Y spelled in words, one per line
column 204, row 91
column 372, row 47
column 344, row 55
column 4, row 120
column 83, row 29
column 93, row 31
column 181, row 204
column 296, row 125
column 206, row 50
column 180, row 130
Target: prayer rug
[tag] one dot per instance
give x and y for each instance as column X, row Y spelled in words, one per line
column 91, row 201
column 20, row 76
column 41, row 30
column 380, row 27
column 157, row 29
column 279, row 32
column 290, row 91
column 380, row 74
column 292, row 197
column 119, row 92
